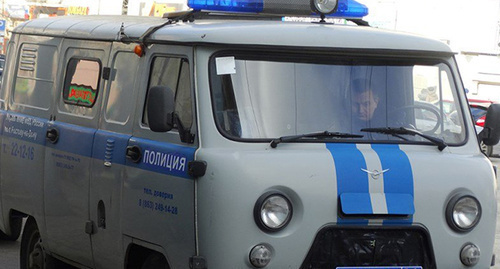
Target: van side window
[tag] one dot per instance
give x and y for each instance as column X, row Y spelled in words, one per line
column 174, row 73
column 34, row 77
column 82, row 82
column 121, row 100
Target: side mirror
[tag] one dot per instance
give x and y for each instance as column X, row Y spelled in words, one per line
column 160, row 109
column 490, row 135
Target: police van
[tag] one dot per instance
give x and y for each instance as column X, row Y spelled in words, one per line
column 209, row 140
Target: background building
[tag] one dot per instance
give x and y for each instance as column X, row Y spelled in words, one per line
column 15, row 12
column 471, row 28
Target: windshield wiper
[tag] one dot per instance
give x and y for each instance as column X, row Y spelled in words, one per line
column 325, row 134
column 405, row 131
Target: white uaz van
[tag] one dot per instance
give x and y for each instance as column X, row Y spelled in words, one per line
column 209, row 140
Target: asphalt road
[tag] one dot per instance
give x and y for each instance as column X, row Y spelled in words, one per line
column 9, row 251
column 9, row 254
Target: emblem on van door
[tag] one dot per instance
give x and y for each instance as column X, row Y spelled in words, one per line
column 375, row 173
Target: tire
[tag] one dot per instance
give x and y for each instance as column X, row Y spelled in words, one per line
column 33, row 255
column 487, row 150
column 155, row 261
column 16, row 225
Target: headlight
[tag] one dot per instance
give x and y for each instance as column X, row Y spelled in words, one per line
column 463, row 213
column 272, row 211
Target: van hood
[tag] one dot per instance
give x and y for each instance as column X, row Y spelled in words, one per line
column 373, row 179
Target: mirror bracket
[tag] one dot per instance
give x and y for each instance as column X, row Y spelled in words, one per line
column 185, row 134
column 484, row 134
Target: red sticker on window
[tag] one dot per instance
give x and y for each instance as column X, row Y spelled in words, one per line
column 81, row 94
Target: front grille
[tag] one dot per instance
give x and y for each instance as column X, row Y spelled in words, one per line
column 368, row 246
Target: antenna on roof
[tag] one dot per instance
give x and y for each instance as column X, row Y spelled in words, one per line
column 121, row 33
column 173, row 17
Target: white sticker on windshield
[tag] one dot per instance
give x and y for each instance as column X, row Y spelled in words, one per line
column 225, row 65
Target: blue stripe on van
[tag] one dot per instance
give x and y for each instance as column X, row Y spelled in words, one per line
column 24, row 127
column 398, row 180
column 160, row 157
column 163, row 157
column 348, row 162
column 356, row 203
column 73, row 138
column 111, row 147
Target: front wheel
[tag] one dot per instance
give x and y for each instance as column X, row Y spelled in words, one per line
column 33, row 255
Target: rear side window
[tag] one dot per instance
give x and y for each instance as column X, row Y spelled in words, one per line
column 82, row 82
column 121, row 100
column 35, row 76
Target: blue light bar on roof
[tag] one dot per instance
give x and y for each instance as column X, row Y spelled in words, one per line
column 252, row 6
column 350, row 9
column 346, row 8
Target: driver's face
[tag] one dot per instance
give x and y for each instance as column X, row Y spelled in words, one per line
column 364, row 105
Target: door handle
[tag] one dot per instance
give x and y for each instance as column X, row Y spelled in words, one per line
column 101, row 215
column 52, row 135
column 134, row 153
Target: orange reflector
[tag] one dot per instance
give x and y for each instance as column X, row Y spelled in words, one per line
column 139, row 50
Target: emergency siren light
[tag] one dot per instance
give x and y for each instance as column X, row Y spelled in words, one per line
column 347, row 9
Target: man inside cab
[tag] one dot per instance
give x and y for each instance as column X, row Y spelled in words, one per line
column 364, row 106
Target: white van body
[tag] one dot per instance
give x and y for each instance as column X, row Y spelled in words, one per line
column 105, row 191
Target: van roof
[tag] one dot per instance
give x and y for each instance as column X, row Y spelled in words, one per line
column 251, row 32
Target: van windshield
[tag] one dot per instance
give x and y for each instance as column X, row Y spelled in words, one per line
column 281, row 96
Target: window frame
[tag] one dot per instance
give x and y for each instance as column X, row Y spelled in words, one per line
column 67, row 81
column 26, row 53
column 108, row 91
column 338, row 56
column 183, row 60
